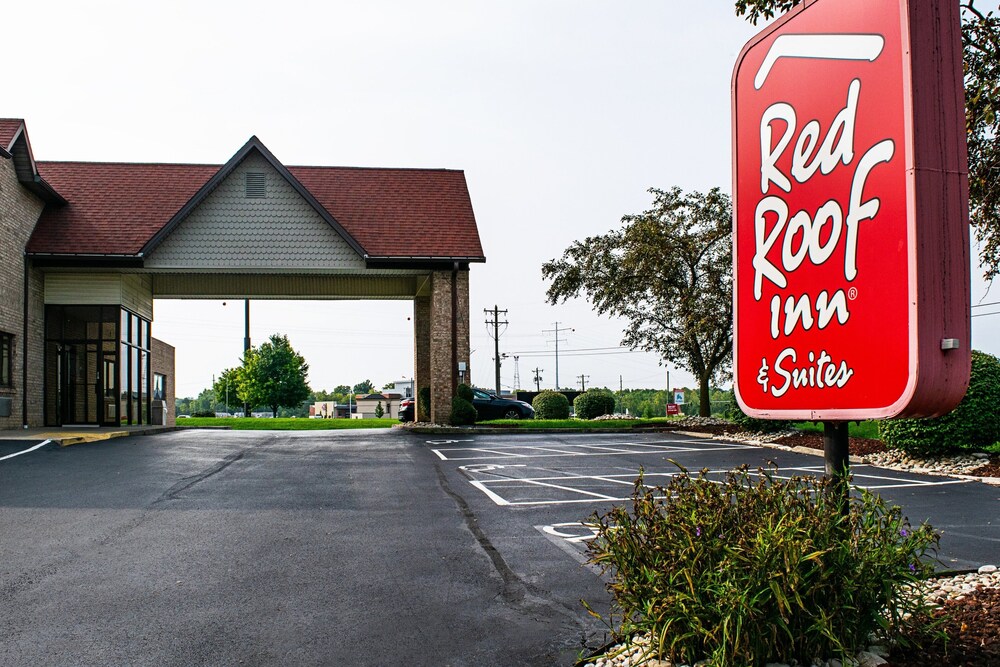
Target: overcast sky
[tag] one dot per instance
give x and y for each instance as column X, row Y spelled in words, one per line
column 561, row 114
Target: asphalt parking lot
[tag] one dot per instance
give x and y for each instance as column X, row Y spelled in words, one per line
column 360, row 548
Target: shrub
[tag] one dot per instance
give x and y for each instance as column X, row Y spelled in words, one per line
column 463, row 412
column 971, row 425
column 594, row 403
column 465, row 391
column 753, row 569
column 736, row 415
column 551, row 405
column 424, row 404
column 203, row 413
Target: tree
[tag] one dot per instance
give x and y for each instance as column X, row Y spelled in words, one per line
column 668, row 271
column 981, row 55
column 226, row 388
column 365, row 387
column 379, row 410
column 274, row 375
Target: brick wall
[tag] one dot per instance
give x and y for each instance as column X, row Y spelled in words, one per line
column 444, row 374
column 162, row 362
column 19, row 211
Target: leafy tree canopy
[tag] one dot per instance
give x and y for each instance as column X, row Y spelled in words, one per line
column 274, row 375
column 981, row 55
column 668, row 272
column 365, row 387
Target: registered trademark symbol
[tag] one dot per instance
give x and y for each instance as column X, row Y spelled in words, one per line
column 852, row 293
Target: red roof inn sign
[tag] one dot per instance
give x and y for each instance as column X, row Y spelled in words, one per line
column 851, row 247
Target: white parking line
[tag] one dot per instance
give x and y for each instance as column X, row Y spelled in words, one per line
column 30, row 449
column 577, row 485
column 569, row 449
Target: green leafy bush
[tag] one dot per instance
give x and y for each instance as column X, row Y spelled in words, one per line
column 551, row 405
column 753, row 568
column 203, row 413
column 465, row 391
column 463, row 412
column 594, row 403
column 424, row 404
column 736, row 415
column 971, row 425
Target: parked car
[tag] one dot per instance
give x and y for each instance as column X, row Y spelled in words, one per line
column 406, row 408
column 491, row 406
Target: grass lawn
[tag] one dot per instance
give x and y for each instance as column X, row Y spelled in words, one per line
column 868, row 429
column 264, row 424
column 579, row 424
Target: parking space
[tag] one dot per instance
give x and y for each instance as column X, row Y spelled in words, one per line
column 553, row 484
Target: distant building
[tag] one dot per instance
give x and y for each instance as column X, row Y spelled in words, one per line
column 402, row 387
column 367, row 404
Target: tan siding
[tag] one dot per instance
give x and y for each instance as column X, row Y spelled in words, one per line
column 230, row 286
column 132, row 291
column 137, row 295
column 83, row 288
column 229, row 231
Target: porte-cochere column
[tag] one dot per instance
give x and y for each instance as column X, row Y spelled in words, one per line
column 448, row 339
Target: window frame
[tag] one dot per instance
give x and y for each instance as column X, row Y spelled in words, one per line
column 6, row 360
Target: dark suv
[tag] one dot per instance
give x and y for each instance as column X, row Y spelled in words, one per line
column 406, row 410
column 491, row 406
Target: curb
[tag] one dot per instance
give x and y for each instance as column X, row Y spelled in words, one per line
column 100, row 437
column 446, row 430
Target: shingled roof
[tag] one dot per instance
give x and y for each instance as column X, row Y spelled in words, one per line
column 126, row 209
column 8, row 128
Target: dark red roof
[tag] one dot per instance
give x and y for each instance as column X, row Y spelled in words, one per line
column 116, row 208
column 8, row 128
column 398, row 212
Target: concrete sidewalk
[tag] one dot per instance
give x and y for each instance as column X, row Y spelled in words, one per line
column 74, row 435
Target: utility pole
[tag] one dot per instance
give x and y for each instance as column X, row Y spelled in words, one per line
column 517, row 374
column 583, row 381
column 538, row 379
column 556, row 331
column 496, row 336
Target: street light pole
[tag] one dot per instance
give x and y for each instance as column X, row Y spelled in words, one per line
column 246, row 343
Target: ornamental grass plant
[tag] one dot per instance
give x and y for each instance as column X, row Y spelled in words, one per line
column 753, row 568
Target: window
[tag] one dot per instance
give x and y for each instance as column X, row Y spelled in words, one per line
column 159, row 386
column 6, row 360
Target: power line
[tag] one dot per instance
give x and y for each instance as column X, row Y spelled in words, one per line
column 983, row 305
column 586, row 354
column 579, row 349
column 538, row 379
column 583, row 381
column 996, row 312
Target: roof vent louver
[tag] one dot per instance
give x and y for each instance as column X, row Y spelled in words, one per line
column 256, row 185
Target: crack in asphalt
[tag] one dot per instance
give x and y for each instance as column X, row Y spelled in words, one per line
column 187, row 482
column 527, row 597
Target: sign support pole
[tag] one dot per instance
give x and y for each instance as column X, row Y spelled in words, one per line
column 835, row 456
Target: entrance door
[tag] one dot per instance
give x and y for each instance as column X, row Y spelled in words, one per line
column 80, row 384
column 109, row 390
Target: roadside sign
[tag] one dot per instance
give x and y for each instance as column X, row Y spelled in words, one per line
column 850, row 243
column 673, row 409
column 678, row 396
